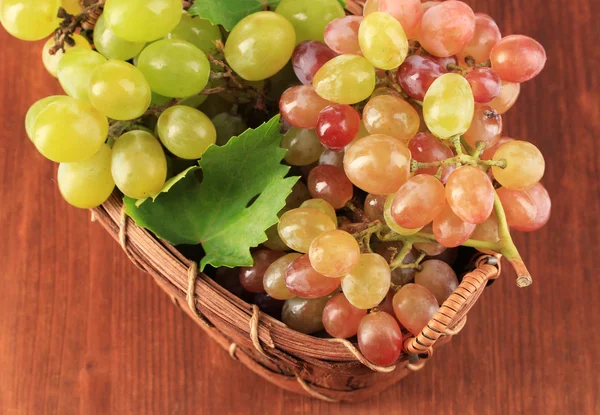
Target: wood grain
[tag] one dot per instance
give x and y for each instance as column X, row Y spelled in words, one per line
column 82, row 331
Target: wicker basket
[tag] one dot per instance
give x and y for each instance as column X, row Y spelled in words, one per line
column 328, row 369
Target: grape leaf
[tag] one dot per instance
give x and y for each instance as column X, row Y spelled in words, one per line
column 228, row 13
column 242, row 190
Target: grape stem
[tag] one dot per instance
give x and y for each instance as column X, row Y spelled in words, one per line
column 72, row 24
column 354, row 8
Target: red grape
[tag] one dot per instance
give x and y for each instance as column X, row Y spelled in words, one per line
column 374, row 206
column 416, row 75
column 484, row 39
column 337, row 126
column 301, row 106
column 446, row 28
column 438, row 277
column 330, row 184
column 470, row 194
column 332, row 158
column 518, row 58
column 451, row 231
column 541, row 198
column 519, row 207
column 251, row 278
column 308, row 58
column 380, row 338
column 341, row 35
column 418, row 201
column 485, row 83
column 302, row 280
column 486, row 127
column 414, row 306
column 340, row 318
column 427, row 148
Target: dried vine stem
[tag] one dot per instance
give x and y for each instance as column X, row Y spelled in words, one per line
column 72, row 24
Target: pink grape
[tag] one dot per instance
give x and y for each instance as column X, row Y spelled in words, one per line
column 391, row 115
column 337, row 126
column 485, row 37
column 374, row 206
column 301, row 106
column 470, row 194
column 302, row 280
column 330, row 184
column 332, row 158
column 416, row 75
column 387, row 305
column 485, row 83
column 380, row 338
column 519, row 207
column 415, row 306
column 451, row 231
column 430, row 248
column 541, row 198
column 438, row 277
column 418, row 201
column 341, row 35
column 486, row 127
column 427, row 148
column 447, row 28
column 340, row 318
column 488, row 230
column 518, row 58
column 426, row 5
column 407, row 12
column 251, row 278
column 400, row 276
column 308, row 58
column 509, row 93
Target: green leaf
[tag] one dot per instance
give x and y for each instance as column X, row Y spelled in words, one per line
column 228, row 13
column 168, row 185
column 221, row 212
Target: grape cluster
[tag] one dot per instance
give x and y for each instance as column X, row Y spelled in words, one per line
column 393, row 119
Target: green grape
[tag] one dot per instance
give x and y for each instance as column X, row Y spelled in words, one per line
column 71, row 6
column 310, row 17
column 274, row 278
column 119, row 90
column 383, row 41
column 142, row 20
column 228, row 126
column 88, row 183
column 29, row 19
column 112, row 46
column 139, row 165
column 322, row 205
column 75, row 70
column 260, row 45
column 303, row 146
column 345, row 79
column 34, row 110
column 299, row 227
column 199, row 32
column 69, row 130
column 449, row 106
column 51, row 61
column 186, row 132
column 194, row 101
column 174, row 68
column 158, row 99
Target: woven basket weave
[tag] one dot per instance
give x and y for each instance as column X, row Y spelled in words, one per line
column 328, row 369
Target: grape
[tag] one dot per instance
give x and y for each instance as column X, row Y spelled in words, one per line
column 425, row 5
column 382, row 90
column 485, row 83
column 273, row 241
column 415, row 306
column 274, row 277
column 304, row 315
column 269, row 305
column 447, row 28
column 438, row 277
column 383, row 41
column 389, row 250
column 332, row 158
column 392, row 116
column 301, row 106
column 251, row 278
column 34, row 110
column 322, row 205
column 194, row 101
column 303, row 147
column 119, row 91
column 518, row 58
column 87, row 184
column 484, row 38
column 389, row 220
column 299, row 195
column 308, row 58
column 75, row 70
column 380, row 338
column 449, row 105
column 334, row 253
column 451, row 231
column 507, row 97
column 378, row 164
column 407, row 12
column 418, row 202
column 113, row 47
column 470, row 194
column 228, row 126
column 387, row 305
column 337, row 126
column 368, row 282
column 371, row 6
column 299, row 227
column 426, row 148
column 197, row 31
column 305, row 282
column 488, row 154
column 345, row 79
column 541, row 198
column 174, row 68
column 331, row 184
column 71, row 6
column 519, row 207
column 51, row 61
column 340, row 318
column 186, row 132
column 29, row 19
column 486, row 127
column 430, row 248
column 139, row 165
column 310, row 17
column 374, row 207
column 69, row 130
column 416, row 75
column 488, row 230
column 341, row 35
column 142, row 20
column 524, row 165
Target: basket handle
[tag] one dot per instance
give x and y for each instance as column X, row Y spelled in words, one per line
column 454, row 310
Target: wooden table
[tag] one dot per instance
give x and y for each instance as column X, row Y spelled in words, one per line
column 83, row 331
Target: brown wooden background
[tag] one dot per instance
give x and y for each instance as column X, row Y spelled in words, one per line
column 83, row 331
